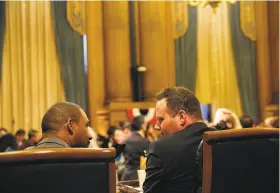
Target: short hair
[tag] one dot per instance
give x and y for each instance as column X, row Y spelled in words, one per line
column 20, row 132
column 58, row 114
column 3, row 129
column 247, row 121
column 180, row 98
column 32, row 133
column 137, row 122
column 111, row 130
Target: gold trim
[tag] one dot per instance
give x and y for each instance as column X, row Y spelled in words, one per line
column 247, row 19
column 179, row 18
column 76, row 15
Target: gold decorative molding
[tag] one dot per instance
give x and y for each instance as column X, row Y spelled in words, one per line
column 76, row 15
column 247, row 19
column 180, row 18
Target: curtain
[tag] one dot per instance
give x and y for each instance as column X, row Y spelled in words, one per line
column 31, row 73
column 2, row 30
column 244, row 51
column 69, row 46
column 186, row 53
column 216, row 75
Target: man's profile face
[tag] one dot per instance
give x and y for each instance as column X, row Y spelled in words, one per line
column 81, row 134
column 166, row 123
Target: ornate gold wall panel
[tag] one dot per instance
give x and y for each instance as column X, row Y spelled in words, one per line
column 117, row 50
column 157, row 46
column 273, row 21
column 263, row 59
column 96, row 84
column 109, row 56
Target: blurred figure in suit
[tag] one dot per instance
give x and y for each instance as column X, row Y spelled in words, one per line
column 136, row 144
column 33, row 138
column 3, row 131
column 20, row 136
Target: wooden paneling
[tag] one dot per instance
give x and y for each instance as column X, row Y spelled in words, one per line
column 157, row 46
column 117, row 50
column 96, row 85
column 263, row 58
column 118, row 111
column 273, row 24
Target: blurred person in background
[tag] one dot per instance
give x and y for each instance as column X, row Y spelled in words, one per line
column 3, row 131
column 151, row 134
column 106, row 141
column 126, row 127
column 247, row 121
column 8, row 143
column 93, row 140
column 20, row 136
column 272, row 122
column 33, row 138
column 228, row 117
column 136, row 145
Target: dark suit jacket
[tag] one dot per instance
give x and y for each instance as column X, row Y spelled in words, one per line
column 171, row 164
column 50, row 142
column 135, row 146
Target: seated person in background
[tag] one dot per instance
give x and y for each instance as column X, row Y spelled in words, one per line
column 136, row 144
column 151, row 134
column 227, row 116
column 93, row 140
column 3, row 131
column 106, row 141
column 8, row 143
column 127, row 131
column 64, row 125
column 33, row 138
column 118, row 140
column 20, row 136
column 272, row 122
column 171, row 163
column 247, row 121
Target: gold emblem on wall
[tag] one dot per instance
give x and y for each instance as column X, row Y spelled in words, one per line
column 179, row 18
column 247, row 19
column 76, row 15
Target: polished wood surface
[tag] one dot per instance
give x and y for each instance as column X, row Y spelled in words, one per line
column 210, row 137
column 95, row 50
column 207, row 168
column 57, row 154
column 117, row 50
column 263, row 59
column 273, row 24
column 112, row 177
column 157, row 46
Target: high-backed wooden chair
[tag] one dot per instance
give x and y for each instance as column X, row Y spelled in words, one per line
column 58, row 170
column 241, row 161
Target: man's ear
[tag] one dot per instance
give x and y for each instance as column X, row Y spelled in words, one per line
column 183, row 117
column 70, row 126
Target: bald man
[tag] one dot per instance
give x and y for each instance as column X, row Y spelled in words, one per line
column 64, row 125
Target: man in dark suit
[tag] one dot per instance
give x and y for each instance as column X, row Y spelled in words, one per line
column 136, row 144
column 171, row 163
column 64, row 125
